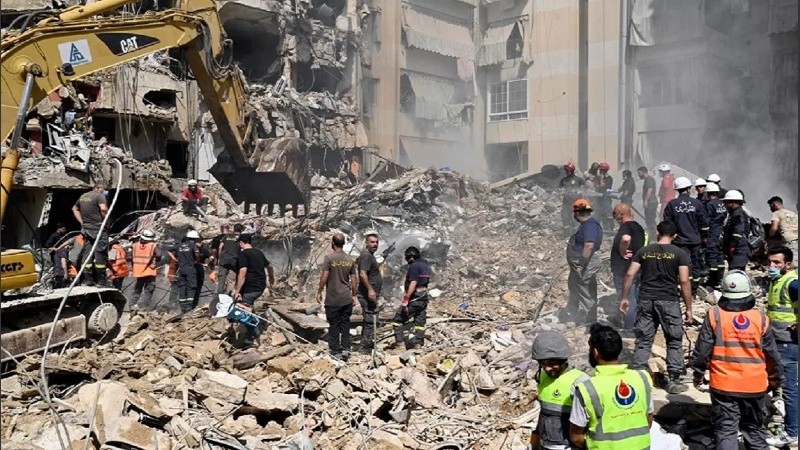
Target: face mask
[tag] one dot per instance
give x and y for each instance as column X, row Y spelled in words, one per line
column 774, row 273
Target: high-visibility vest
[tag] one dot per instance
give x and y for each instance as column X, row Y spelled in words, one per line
column 737, row 360
column 555, row 398
column 120, row 264
column 616, row 401
column 143, row 264
column 780, row 309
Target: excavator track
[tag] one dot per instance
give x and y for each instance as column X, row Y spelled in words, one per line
column 90, row 313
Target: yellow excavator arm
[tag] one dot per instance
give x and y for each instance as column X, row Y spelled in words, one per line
column 77, row 42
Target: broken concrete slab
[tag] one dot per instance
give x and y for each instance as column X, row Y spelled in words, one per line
column 220, row 385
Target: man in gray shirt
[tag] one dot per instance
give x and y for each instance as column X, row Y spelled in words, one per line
column 338, row 280
column 369, row 289
column 90, row 210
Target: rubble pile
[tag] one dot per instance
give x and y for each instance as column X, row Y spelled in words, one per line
column 181, row 385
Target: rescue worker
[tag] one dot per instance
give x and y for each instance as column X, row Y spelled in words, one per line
column 736, row 344
column 228, row 253
column 117, row 264
column 339, row 282
column 370, row 283
column 415, row 301
column 689, row 216
column 189, row 257
column 782, row 312
column 614, row 408
column 737, row 249
column 667, row 190
column 193, row 200
column 714, row 178
column 603, row 183
column 145, row 257
column 54, row 240
column 629, row 239
column 700, row 186
column 253, row 273
column 62, row 269
column 571, row 184
column 664, row 266
column 649, row 200
column 557, row 383
column 584, row 262
column 783, row 224
column 627, row 189
column 90, row 210
column 715, row 260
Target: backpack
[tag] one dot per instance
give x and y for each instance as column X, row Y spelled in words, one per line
column 755, row 233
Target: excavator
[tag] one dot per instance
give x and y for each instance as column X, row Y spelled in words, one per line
column 51, row 49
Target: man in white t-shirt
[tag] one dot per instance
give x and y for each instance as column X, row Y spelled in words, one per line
column 783, row 224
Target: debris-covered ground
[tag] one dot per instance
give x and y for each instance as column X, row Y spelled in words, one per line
column 497, row 256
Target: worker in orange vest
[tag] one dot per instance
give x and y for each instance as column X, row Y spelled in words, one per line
column 117, row 264
column 737, row 346
column 146, row 255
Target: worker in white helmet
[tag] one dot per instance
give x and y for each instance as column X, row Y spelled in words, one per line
column 193, row 200
column 700, row 189
column 715, row 259
column 667, row 190
column 737, row 249
column 690, row 217
column 714, row 178
column 190, row 256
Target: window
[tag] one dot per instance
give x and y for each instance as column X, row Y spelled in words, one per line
column 508, row 100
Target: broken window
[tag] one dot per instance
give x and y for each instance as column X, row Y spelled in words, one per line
column 508, row 100
column 321, row 79
column 177, row 154
column 161, row 99
column 507, row 160
column 514, row 43
column 104, row 127
column 256, row 46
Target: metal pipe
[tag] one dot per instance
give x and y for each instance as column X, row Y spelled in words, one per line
column 583, row 84
column 622, row 107
column 23, row 110
column 83, row 12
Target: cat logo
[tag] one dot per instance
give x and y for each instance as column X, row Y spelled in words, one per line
column 11, row 267
column 128, row 45
column 124, row 43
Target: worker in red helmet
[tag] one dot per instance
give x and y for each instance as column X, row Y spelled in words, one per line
column 571, row 184
column 584, row 262
column 602, row 185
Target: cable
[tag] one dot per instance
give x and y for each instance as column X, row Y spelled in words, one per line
column 43, row 371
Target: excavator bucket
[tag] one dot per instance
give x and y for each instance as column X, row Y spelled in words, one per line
column 278, row 174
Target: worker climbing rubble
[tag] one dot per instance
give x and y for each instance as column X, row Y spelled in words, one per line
column 414, row 306
column 557, row 383
column 194, row 200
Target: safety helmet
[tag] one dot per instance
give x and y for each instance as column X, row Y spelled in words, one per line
column 714, row 178
column 664, row 168
column 682, row 183
column 736, row 285
column 192, row 183
column 412, row 252
column 551, row 344
column 733, row 196
column 712, row 188
column 700, row 182
column 604, row 166
column 569, row 167
column 371, row 233
column 192, row 234
column 147, row 235
column 581, row 205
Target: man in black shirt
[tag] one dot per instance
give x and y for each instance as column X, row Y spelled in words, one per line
column 415, row 301
column 628, row 188
column 369, row 289
column 251, row 279
column 689, row 216
column 227, row 250
column 629, row 239
column 663, row 267
column 735, row 244
column 54, row 240
column 189, row 256
column 571, row 184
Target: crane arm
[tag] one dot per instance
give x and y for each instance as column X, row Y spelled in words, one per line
column 59, row 50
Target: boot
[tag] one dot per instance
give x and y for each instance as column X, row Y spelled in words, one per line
column 675, row 385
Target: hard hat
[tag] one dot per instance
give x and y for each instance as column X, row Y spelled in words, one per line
column 192, row 234
column 604, row 166
column 371, row 233
column 569, row 167
column 192, row 183
column 581, row 205
column 147, row 235
column 700, row 182
column 712, row 187
column 664, row 168
column 736, row 285
column 714, row 178
column 551, row 345
column 733, row 196
column 682, row 183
